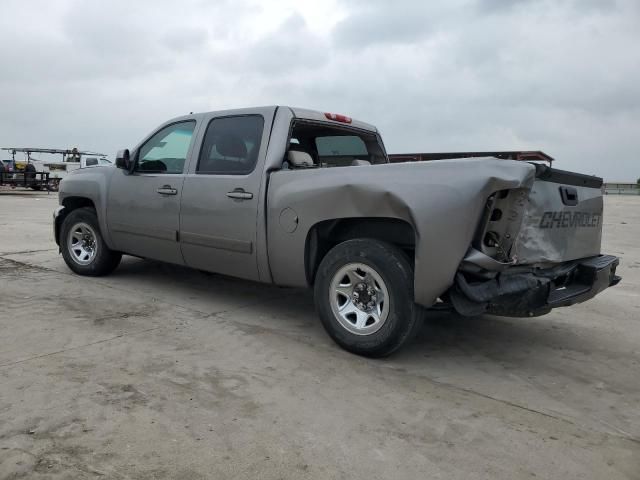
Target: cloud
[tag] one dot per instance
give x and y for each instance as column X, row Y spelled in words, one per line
column 284, row 51
column 559, row 75
column 374, row 24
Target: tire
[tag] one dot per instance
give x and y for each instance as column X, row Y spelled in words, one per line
column 30, row 174
column 91, row 257
column 384, row 284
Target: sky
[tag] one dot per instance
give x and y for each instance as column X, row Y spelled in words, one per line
column 562, row 76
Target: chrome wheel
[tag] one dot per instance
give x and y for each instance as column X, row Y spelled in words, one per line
column 82, row 243
column 359, row 299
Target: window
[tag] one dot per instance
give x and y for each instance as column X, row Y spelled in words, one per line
column 231, row 145
column 335, row 146
column 167, row 150
column 341, row 146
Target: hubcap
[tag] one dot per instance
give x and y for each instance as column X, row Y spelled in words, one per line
column 82, row 243
column 359, row 299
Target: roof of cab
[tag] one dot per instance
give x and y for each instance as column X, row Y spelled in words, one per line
column 321, row 116
column 303, row 113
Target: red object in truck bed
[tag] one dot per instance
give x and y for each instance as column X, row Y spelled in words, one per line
column 525, row 156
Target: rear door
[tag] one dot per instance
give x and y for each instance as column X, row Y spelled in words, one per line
column 143, row 210
column 221, row 194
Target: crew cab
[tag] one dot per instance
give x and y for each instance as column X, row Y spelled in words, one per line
column 301, row 198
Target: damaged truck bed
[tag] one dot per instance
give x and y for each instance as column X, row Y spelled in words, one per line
column 301, row 198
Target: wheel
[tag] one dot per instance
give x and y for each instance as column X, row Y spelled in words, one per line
column 30, row 174
column 364, row 296
column 83, row 248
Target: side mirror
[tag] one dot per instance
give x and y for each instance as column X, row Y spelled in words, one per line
column 123, row 160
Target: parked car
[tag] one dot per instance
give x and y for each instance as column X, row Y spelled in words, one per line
column 300, row 198
column 8, row 166
column 6, row 171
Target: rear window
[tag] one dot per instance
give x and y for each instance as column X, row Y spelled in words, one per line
column 330, row 145
column 338, row 146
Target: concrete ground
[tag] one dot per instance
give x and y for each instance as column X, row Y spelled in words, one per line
column 162, row 372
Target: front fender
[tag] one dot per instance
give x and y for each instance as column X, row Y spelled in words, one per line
column 91, row 184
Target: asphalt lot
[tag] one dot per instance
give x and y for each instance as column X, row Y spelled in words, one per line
column 163, row 372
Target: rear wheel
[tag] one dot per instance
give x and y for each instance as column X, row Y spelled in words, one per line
column 83, row 248
column 30, row 175
column 364, row 295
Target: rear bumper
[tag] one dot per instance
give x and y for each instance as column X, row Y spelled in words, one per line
column 591, row 277
column 533, row 292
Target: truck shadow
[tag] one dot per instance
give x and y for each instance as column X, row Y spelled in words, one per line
column 291, row 312
column 500, row 338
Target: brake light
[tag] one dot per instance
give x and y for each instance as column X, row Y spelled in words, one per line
column 338, row 118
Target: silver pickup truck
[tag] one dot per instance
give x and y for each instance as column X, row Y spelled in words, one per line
column 301, row 198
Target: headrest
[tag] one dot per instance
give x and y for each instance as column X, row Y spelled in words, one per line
column 300, row 159
column 231, row 146
column 358, row 162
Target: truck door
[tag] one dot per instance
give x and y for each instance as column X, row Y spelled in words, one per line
column 143, row 210
column 221, row 196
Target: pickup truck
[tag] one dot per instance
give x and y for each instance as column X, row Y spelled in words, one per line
column 300, row 198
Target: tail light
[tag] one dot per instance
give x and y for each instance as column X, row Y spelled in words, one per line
column 501, row 222
column 338, row 118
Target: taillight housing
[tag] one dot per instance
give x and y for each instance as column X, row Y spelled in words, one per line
column 336, row 117
column 500, row 224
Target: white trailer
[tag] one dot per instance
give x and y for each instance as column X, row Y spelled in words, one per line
column 38, row 174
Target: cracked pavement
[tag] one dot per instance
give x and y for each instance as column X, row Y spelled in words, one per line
column 160, row 372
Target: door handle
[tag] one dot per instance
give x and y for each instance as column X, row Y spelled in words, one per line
column 167, row 190
column 240, row 194
column 569, row 196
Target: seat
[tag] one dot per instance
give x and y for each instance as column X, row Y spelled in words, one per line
column 231, row 146
column 152, row 166
column 228, row 154
column 299, row 159
column 359, row 162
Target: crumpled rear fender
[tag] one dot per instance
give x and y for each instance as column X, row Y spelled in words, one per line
column 442, row 200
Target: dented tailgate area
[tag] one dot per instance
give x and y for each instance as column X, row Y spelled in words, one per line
column 536, row 249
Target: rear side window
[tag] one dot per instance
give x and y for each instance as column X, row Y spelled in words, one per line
column 167, row 150
column 231, row 145
column 339, row 146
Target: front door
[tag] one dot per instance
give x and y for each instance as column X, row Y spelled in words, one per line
column 220, row 197
column 143, row 212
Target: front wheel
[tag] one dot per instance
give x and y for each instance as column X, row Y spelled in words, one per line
column 83, row 248
column 364, row 295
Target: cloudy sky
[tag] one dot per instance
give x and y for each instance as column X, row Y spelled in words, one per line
column 562, row 76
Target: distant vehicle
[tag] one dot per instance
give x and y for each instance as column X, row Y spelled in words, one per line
column 17, row 174
column 8, row 166
column 39, row 174
column 300, row 198
column 59, row 170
